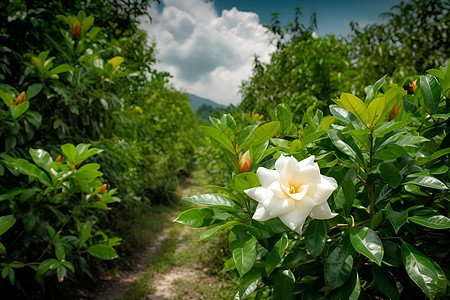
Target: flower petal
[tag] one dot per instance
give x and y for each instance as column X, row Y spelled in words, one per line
column 321, row 192
column 308, row 173
column 267, row 177
column 278, row 206
column 299, row 194
column 322, row 212
column 298, row 215
column 261, row 213
column 288, row 167
column 277, row 190
column 259, row 193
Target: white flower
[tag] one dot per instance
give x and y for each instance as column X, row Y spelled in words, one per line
column 293, row 191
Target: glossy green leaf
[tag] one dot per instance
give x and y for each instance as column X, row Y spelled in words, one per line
column 243, row 249
column 61, row 273
column 421, row 270
column 385, row 283
column 245, row 135
column 275, row 255
column 6, row 222
column 390, row 173
column 103, row 251
column 25, row 167
column 33, row 90
column 397, row 219
column 387, row 127
column 341, row 114
column 430, row 219
column 284, row 116
column 59, row 251
column 346, row 146
column 284, row 285
column 367, row 242
column 70, row 152
column 18, row 110
column 214, row 200
column 432, row 92
column 220, row 137
column 348, row 188
column 249, row 282
column 392, row 254
column 41, row 158
column 207, row 233
column 85, row 233
column 316, row 236
column 83, row 151
column 352, row 287
column 60, row 69
column 246, row 181
column 196, row 217
column 354, row 105
column 339, row 264
column 375, row 111
column 426, row 181
column 297, row 258
column 373, row 90
column 262, row 133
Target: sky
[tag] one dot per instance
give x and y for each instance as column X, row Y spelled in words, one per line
column 208, row 46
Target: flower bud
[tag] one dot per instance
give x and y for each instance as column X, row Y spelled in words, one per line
column 76, row 33
column 393, row 112
column 412, row 86
column 58, row 159
column 20, row 99
column 245, row 162
column 97, row 198
column 103, row 188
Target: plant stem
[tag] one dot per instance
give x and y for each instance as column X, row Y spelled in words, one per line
column 372, row 200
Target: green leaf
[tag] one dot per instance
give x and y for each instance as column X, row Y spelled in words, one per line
column 250, row 282
column 421, row 270
column 375, row 111
column 60, row 69
column 93, row 32
column 354, row 105
column 33, row 90
column 41, row 158
column 85, row 233
column 372, row 92
column 341, row 114
column 243, row 249
column 70, row 152
column 6, row 222
column 83, row 152
column 426, row 181
column 348, row 188
column 60, row 252
column 214, row 200
column 25, row 167
column 390, row 173
column 397, row 219
column 352, row 288
column 385, row 283
column 246, row 181
column 432, row 92
column 18, row 110
column 284, row 116
column 346, row 146
column 61, row 273
column 207, row 233
column 392, row 254
column 367, row 242
column 339, row 264
column 220, row 137
column 262, row 133
column 387, row 127
column 275, row 255
column 315, row 236
column 297, row 258
column 284, row 285
column 430, row 219
column 196, row 217
column 103, row 251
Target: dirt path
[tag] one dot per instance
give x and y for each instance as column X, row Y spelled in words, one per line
column 185, row 276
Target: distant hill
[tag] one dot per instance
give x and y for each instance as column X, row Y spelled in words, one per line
column 197, row 101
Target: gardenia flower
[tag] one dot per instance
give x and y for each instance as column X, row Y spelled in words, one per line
column 293, row 191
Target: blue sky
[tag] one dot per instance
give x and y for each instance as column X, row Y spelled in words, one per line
column 208, row 46
column 332, row 16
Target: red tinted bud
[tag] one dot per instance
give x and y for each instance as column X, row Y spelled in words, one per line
column 245, row 162
column 103, row 188
column 412, row 86
column 97, row 198
column 20, row 99
column 76, row 33
column 393, row 112
column 58, row 159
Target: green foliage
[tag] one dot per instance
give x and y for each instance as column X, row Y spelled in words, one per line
column 389, row 156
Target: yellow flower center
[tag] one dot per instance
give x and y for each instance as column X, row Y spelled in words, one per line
column 292, row 190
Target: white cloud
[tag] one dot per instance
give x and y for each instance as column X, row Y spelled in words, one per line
column 207, row 54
